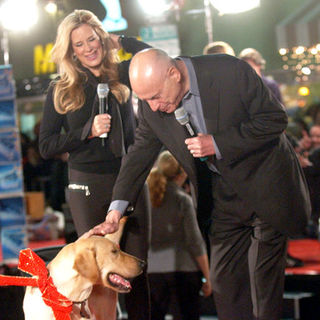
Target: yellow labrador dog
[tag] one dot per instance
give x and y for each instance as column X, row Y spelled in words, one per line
column 84, row 272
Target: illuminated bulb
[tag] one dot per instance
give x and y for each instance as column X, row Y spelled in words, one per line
column 18, row 14
column 282, row 51
column 306, row 71
column 314, row 51
column 303, row 91
column 234, row 6
column 51, row 7
column 154, row 8
column 299, row 50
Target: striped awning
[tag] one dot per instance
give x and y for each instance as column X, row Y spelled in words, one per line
column 301, row 28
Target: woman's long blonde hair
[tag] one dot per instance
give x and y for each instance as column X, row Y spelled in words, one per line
column 166, row 170
column 69, row 93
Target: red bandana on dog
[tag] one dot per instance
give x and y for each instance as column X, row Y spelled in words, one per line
column 31, row 263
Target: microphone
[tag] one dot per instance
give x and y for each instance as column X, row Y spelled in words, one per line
column 183, row 118
column 103, row 91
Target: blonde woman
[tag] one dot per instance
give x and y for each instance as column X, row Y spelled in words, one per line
column 177, row 256
column 86, row 55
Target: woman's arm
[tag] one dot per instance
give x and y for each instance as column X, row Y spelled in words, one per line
column 203, row 264
column 130, row 45
column 195, row 242
column 51, row 140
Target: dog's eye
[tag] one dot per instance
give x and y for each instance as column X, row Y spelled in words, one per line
column 114, row 251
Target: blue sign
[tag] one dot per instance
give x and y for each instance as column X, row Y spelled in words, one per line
column 113, row 20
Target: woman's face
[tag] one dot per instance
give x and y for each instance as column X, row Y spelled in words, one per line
column 87, row 47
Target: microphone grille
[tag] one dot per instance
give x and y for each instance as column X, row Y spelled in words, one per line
column 181, row 116
column 102, row 90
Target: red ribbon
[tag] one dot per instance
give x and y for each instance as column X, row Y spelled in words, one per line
column 31, row 263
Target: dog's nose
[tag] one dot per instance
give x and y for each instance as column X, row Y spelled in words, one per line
column 142, row 264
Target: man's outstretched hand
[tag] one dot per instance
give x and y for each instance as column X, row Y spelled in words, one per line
column 110, row 225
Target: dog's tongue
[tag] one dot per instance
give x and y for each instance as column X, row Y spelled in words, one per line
column 116, row 279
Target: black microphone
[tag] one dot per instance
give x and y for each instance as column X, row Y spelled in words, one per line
column 183, row 118
column 103, row 91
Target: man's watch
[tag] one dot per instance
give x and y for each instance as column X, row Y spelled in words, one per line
column 120, row 39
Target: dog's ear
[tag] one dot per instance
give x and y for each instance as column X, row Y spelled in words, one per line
column 116, row 236
column 86, row 265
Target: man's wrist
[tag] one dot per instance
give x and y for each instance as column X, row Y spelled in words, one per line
column 119, row 205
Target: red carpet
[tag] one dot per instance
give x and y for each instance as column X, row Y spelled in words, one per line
column 308, row 250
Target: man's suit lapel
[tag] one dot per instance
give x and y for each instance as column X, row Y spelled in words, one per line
column 209, row 95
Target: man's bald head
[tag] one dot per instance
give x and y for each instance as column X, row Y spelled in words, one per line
column 148, row 67
column 158, row 79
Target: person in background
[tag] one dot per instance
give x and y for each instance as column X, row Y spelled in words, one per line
column 218, row 47
column 256, row 61
column 258, row 187
column 177, row 258
column 86, row 55
column 308, row 149
column 309, row 140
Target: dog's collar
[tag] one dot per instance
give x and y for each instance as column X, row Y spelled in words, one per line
column 84, row 308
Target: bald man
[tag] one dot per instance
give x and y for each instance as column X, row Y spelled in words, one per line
column 257, row 186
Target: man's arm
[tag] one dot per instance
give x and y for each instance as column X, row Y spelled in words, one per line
column 135, row 167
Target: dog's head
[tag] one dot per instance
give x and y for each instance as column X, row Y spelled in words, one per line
column 102, row 262
column 93, row 261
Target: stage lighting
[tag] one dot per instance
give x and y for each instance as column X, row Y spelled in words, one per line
column 234, row 6
column 155, row 8
column 51, row 7
column 18, row 15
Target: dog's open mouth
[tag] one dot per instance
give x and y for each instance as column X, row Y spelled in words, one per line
column 119, row 283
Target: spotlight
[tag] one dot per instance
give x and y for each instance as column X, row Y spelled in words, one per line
column 234, row 6
column 154, row 8
column 18, row 14
column 51, row 7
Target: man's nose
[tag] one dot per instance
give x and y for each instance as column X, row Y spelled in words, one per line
column 153, row 105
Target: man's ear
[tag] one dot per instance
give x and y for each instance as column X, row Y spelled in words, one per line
column 173, row 72
column 86, row 265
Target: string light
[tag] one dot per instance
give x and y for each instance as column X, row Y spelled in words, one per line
column 301, row 60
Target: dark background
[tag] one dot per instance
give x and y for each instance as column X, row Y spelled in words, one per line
column 255, row 28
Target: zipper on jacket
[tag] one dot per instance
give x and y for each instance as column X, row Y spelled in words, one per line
column 75, row 186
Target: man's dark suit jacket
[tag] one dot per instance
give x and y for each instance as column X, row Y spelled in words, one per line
column 247, row 124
